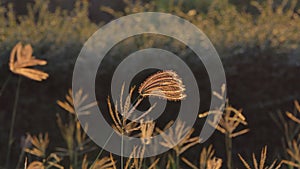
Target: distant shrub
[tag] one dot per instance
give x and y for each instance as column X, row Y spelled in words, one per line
column 233, row 32
column 272, row 31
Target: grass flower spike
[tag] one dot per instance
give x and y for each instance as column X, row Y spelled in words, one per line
column 78, row 101
column 180, row 139
column 40, row 144
column 25, row 59
column 261, row 163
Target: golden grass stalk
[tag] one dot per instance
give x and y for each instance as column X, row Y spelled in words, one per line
column 40, row 144
column 50, row 162
column 36, row 165
column 294, row 153
column 72, row 133
column 74, row 137
column 291, row 163
column 214, row 163
column 291, row 136
column 165, row 84
column 206, row 160
column 292, row 116
column 67, row 131
column 77, row 101
column 147, row 129
column 21, row 58
column 178, row 139
column 261, row 164
column 229, row 121
column 136, row 160
column 103, row 163
column 122, row 124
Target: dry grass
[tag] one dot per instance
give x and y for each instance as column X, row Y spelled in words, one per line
column 147, row 130
column 40, row 144
column 267, row 31
column 136, row 160
column 21, row 58
column 122, row 124
column 230, row 120
column 261, row 164
column 206, row 161
column 180, row 139
column 292, row 116
column 104, row 163
column 78, row 101
column 292, row 140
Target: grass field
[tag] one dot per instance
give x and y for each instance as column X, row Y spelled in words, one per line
column 259, row 45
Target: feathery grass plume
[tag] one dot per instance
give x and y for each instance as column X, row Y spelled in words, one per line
column 261, row 164
column 178, row 139
column 77, row 101
column 165, row 84
column 103, row 163
column 25, row 59
column 207, row 160
column 40, row 144
column 122, row 125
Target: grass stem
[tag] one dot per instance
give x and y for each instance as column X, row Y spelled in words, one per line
column 177, row 161
column 228, row 145
column 12, row 124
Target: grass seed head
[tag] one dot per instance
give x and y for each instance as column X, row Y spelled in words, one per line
column 21, row 58
column 165, row 84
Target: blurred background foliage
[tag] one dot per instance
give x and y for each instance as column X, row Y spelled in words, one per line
column 248, row 28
